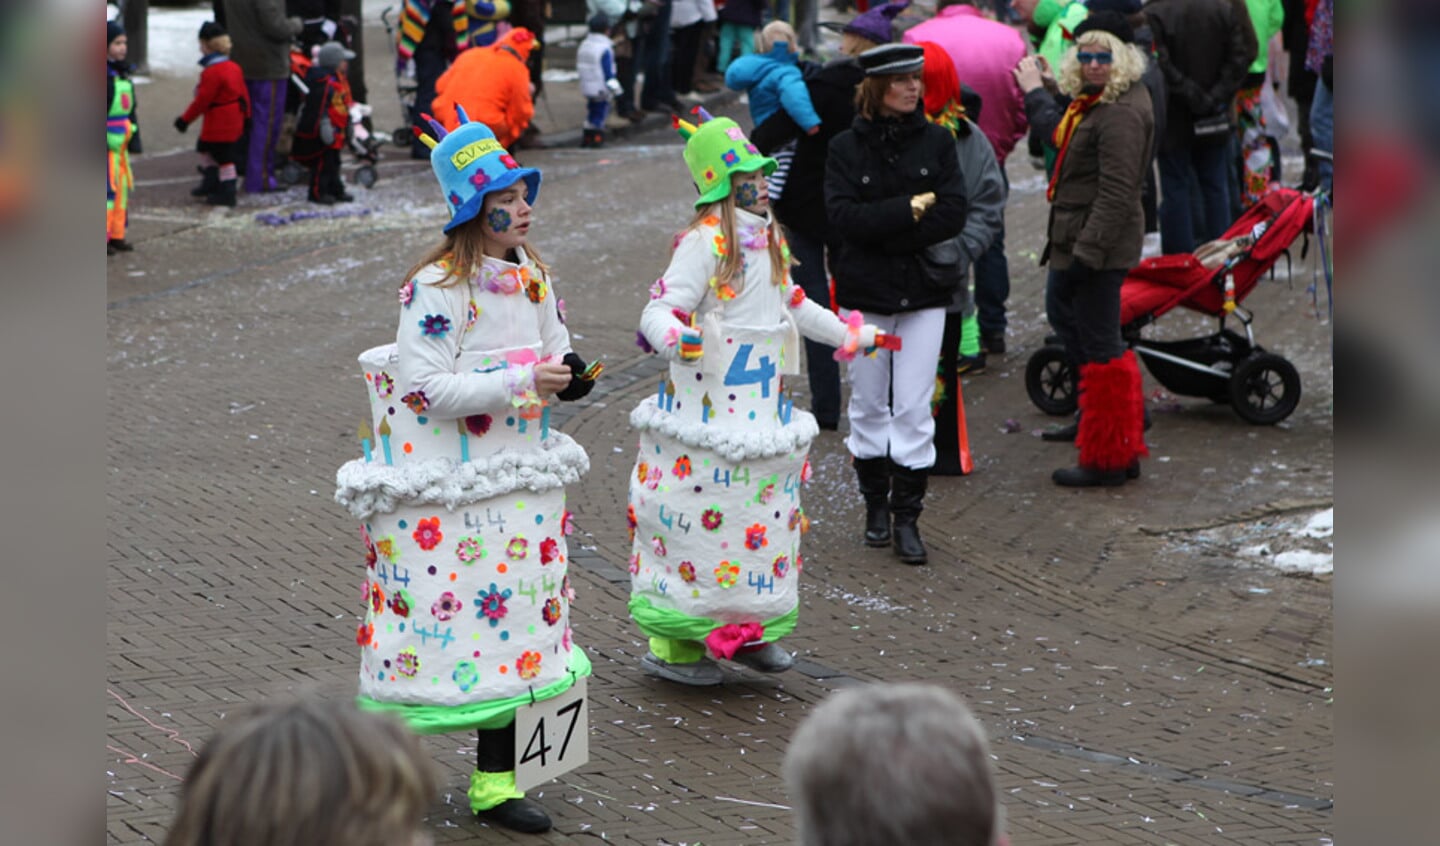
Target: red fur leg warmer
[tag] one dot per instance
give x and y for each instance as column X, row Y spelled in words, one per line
column 1112, row 414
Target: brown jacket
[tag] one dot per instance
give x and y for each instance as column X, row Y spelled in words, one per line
column 1096, row 216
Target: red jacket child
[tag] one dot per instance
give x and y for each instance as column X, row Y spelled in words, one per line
column 223, row 99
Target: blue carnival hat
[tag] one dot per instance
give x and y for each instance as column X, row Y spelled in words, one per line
column 470, row 163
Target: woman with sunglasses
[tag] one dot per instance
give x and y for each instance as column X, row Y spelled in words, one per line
column 1104, row 137
column 895, row 198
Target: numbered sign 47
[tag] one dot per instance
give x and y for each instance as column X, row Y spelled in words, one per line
column 552, row 737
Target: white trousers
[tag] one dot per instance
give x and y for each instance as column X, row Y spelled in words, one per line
column 890, row 393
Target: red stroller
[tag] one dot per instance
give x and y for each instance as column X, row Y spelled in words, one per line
column 1225, row 367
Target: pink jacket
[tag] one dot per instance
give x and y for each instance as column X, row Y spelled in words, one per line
column 984, row 52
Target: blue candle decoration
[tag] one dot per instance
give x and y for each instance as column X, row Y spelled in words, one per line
column 660, row 393
column 545, row 423
column 365, row 439
column 385, row 440
column 464, row 440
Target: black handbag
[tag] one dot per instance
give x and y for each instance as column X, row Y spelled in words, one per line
column 1213, row 127
column 944, row 264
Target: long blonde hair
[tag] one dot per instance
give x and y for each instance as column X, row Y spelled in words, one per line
column 464, row 249
column 1126, row 69
column 732, row 264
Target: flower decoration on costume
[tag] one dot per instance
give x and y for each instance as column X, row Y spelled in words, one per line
column 805, row 472
column 657, row 290
column 766, row 493
column 785, row 252
column 724, row 291
column 427, row 533
column 520, row 384
column 469, row 550
column 550, row 613
column 455, row 200
column 416, row 401
column 794, row 522
column 730, row 158
column 536, row 289
column 500, row 281
column 529, row 664
column 566, row 590
column 727, row 574
column 735, row 133
column 652, row 481
column 672, row 337
column 407, row 663
column 682, row 467
column 687, row 571
column 781, row 566
column 567, row 523
column 509, row 161
column 712, row 518
column 446, row 607
column 492, row 604
column 560, row 310
column 384, row 385
column 804, row 522
column 642, row 471
column 435, row 325
column 478, row 424
column 517, row 548
column 377, row 598
column 685, row 317
column 755, row 237
column 854, row 322
column 630, row 521
column 718, row 247
column 364, row 634
column 755, row 536
column 751, row 149
column 565, row 639
column 387, row 547
column 472, row 314
column 480, row 179
column 400, row 602
column 634, row 563
column 370, row 557
column 643, row 343
column 466, row 676
column 797, row 296
column 709, row 175
column 658, row 544
column 407, row 293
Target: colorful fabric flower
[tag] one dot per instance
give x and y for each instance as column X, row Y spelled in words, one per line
column 630, row 521
column 509, row 161
column 805, row 472
column 755, row 536
column 709, row 175
column 550, row 613
column 642, row 470
column 727, row 574
column 717, row 246
column 781, row 566
column 710, row 220
column 797, row 296
column 427, row 533
column 536, row 289
column 465, row 676
column 384, row 385
column 566, row 590
column 565, row 639
column 751, row 149
column 549, row 550
column 766, row 493
column 724, row 292
column 370, row 557
column 672, row 337
column 685, row 317
column 642, row 342
column 755, row 237
column 446, row 607
column 492, row 604
column 712, row 518
column 687, row 571
column 377, row 598
column 657, row 290
column 652, row 481
column 387, row 547
column 735, row 133
column 794, row 521
column 407, row 663
column 517, row 547
column 478, row 424
column 416, row 401
column 730, row 158
column 472, row 314
column 407, row 293
column 480, row 178
column 456, row 200
column 658, row 544
column 529, row 664
column 634, row 563
column 469, row 550
column 682, row 467
column 435, row 325
column 364, row 634
column 567, row 523
column 400, row 602
column 503, row 280
column 804, row 522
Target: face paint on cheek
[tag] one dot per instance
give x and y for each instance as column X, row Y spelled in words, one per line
column 499, row 221
column 747, row 195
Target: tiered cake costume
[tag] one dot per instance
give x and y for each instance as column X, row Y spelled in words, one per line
column 715, row 508
column 461, row 489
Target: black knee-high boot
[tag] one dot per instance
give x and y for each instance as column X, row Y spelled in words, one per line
column 209, row 181
column 907, row 500
column 874, row 476
column 495, row 753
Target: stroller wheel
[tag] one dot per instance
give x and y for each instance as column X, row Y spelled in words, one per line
column 402, row 136
column 1264, row 389
column 292, row 174
column 1050, row 379
column 366, row 176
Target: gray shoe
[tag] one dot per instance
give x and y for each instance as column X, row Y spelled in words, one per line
column 770, row 658
column 702, row 673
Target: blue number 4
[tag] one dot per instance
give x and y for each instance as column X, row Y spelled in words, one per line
column 740, row 372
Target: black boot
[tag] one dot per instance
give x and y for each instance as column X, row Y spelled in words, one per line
column 209, row 182
column 587, row 138
column 224, row 194
column 874, row 475
column 907, row 500
column 495, row 753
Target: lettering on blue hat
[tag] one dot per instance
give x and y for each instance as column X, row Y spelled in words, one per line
column 469, row 153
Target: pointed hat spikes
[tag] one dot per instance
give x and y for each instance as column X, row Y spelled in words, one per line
column 424, row 139
column 704, row 115
column 460, row 111
column 436, row 125
column 685, row 128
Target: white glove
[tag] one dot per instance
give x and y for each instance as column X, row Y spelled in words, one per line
column 614, row 85
column 328, row 27
column 867, row 336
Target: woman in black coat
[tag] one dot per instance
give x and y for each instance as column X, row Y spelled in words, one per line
column 895, row 197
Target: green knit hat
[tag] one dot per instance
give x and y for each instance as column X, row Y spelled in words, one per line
column 714, row 150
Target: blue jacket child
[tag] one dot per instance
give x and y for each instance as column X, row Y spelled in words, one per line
column 773, row 80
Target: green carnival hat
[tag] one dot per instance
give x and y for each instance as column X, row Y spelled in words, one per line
column 714, row 150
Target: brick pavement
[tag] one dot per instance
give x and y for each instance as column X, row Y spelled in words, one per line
column 1136, row 690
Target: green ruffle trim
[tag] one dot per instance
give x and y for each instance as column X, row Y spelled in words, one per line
column 496, row 713
column 664, row 622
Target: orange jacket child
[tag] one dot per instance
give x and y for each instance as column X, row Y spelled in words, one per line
column 492, row 85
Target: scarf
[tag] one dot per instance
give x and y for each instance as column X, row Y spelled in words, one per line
column 1065, row 131
column 952, row 117
column 415, row 16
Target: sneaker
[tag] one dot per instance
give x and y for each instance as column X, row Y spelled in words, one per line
column 702, row 673
column 971, row 364
column 992, row 342
column 770, row 658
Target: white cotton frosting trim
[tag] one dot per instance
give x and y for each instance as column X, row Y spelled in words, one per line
column 367, row 488
column 732, row 444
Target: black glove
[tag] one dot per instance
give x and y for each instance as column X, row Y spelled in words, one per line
column 135, row 148
column 180, row 125
column 578, row 388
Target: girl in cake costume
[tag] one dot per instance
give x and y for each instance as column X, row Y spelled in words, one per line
column 714, row 509
column 461, row 489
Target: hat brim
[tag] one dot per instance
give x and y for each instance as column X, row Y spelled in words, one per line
column 833, row 26
column 472, row 207
column 719, row 192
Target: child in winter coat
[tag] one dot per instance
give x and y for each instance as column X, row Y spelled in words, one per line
column 595, row 62
column 773, row 81
column 739, row 19
column 323, row 122
column 122, row 137
column 223, row 100
column 492, row 85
